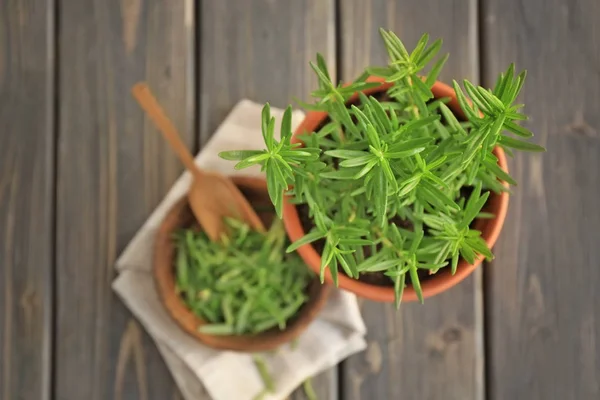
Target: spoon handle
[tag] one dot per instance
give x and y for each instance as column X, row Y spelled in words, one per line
column 148, row 102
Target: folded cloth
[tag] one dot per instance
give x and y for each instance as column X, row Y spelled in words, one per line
column 337, row 332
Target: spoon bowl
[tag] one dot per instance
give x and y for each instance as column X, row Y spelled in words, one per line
column 211, row 196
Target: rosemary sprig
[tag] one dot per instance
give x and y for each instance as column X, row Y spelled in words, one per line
column 401, row 160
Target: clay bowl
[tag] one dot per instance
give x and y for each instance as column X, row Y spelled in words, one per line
column 180, row 216
column 438, row 283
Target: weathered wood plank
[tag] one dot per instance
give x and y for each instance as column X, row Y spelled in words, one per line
column 26, row 197
column 435, row 350
column 260, row 49
column 541, row 291
column 113, row 169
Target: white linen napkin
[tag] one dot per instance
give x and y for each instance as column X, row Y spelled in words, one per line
column 337, row 332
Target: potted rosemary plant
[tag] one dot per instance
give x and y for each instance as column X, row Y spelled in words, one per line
column 241, row 293
column 395, row 186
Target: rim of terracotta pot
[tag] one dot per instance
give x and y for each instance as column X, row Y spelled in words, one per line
column 180, row 215
column 443, row 280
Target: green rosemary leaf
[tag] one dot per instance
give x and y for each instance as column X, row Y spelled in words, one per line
column 370, row 266
column 383, row 72
column 265, row 119
column 420, row 47
column 347, row 154
column 358, row 161
column 409, row 185
column 373, row 137
column 362, row 77
column 421, row 106
column 389, row 174
column 436, row 163
column 326, row 257
column 498, row 86
column 454, row 262
column 356, row 87
column 517, row 129
column 490, row 98
column 342, row 261
column 491, row 163
column 380, row 115
column 216, row 329
column 477, row 98
column 518, row 86
column 274, row 188
column 265, row 325
column 435, row 70
column 394, row 46
column 304, row 240
column 418, row 237
column 355, row 242
column 351, row 231
column 464, row 104
column 519, row 144
column 309, row 391
column 398, row 76
column 366, row 169
column 473, row 209
column 263, row 371
column 242, row 318
column 428, row 54
column 308, row 106
column 423, row 88
column 507, row 78
column 261, row 395
column 333, row 268
column 480, row 246
column 236, row 155
column 414, row 278
column 436, row 197
column 323, row 66
column 467, row 253
column 323, row 78
column 286, row 124
column 346, row 173
column 399, row 284
column 415, row 125
column 252, row 160
column 343, row 116
column 516, row 116
column 381, row 197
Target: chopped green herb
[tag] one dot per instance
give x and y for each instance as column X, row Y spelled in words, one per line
column 245, row 285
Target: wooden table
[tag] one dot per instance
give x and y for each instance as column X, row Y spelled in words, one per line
column 81, row 169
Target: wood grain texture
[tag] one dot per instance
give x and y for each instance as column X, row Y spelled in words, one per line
column 542, row 296
column 113, row 169
column 435, row 350
column 26, row 198
column 260, row 49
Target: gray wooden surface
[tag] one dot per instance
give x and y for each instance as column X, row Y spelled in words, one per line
column 81, row 169
column 542, row 292
column 113, row 169
column 26, row 198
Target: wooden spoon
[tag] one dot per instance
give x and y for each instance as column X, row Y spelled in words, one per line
column 211, row 196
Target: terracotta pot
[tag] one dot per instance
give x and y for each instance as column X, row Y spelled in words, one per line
column 181, row 216
column 443, row 280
